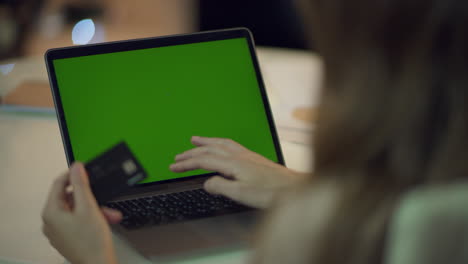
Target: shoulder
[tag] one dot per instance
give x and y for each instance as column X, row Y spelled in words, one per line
column 295, row 225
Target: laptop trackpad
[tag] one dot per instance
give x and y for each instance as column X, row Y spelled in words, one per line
column 198, row 237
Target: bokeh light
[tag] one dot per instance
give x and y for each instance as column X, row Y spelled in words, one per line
column 83, row 32
column 7, row 68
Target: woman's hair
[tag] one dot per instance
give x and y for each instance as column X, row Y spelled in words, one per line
column 394, row 111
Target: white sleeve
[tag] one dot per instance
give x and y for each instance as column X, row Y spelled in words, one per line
column 430, row 227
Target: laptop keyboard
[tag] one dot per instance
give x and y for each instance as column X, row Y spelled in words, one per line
column 174, row 207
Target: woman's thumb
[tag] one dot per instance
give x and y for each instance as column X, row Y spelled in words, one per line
column 81, row 190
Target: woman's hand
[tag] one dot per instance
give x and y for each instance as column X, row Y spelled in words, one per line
column 74, row 223
column 249, row 178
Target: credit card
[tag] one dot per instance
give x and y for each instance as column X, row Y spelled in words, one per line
column 114, row 172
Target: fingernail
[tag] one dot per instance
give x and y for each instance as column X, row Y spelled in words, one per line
column 112, row 212
column 209, row 186
column 115, row 212
column 172, row 166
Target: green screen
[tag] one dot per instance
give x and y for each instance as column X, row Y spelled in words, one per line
column 156, row 99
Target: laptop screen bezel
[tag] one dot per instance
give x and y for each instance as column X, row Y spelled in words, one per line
column 146, row 43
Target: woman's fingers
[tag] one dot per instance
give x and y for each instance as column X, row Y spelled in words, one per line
column 214, row 146
column 204, row 141
column 82, row 194
column 112, row 216
column 56, row 198
column 225, row 187
column 236, row 191
column 206, row 162
column 212, row 149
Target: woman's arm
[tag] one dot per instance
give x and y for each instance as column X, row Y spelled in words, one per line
column 246, row 176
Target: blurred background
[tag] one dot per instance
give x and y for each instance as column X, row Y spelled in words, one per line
column 30, row 27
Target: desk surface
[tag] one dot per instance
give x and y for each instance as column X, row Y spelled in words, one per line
column 32, row 155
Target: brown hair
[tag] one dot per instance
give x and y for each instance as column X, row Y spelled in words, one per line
column 394, row 111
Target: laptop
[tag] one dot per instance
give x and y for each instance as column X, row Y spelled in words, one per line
column 155, row 94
